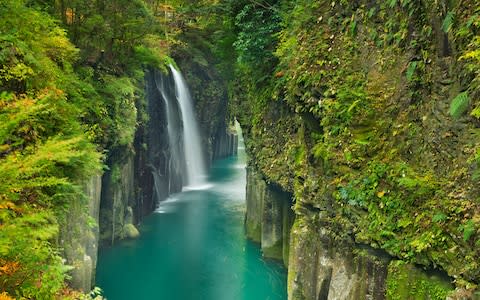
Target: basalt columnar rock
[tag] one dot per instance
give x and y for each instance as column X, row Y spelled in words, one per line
column 79, row 235
column 118, row 197
column 325, row 264
column 269, row 216
column 149, row 172
column 226, row 143
column 150, row 169
column 367, row 125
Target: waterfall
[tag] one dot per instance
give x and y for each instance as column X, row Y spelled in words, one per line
column 195, row 166
column 174, row 165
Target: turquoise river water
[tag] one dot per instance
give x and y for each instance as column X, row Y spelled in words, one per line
column 194, row 248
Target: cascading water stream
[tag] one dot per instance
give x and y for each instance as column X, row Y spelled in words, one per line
column 194, row 247
column 174, row 164
column 195, row 166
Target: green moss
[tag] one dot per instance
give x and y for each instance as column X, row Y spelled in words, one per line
column 356, row 124
column 405, row 281
column 275, row 251
column 292, row 267
column 130, row 231
column 253, row 231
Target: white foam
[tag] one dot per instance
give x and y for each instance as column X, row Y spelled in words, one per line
column 197, row 187
column 166, row 205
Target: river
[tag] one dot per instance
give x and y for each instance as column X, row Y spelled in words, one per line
column 193, row 248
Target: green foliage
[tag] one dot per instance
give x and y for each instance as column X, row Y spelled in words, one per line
column 256, row 39
column 459, row 105
column 47, row 127
column 412, row 66
column 407, row 282
column 439, row 217
column 148, row 56
column 38, row 183
column 33, row 50
column 447, row 22
column 25, row 242
column 44, row 157
column 114, row 27
column 468, row 229
column 120, row 95
column 466, row 32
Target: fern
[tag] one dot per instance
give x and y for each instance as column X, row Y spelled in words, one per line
column 459, row 105
column 447, row 22
column 468, row 230
column 439, row 217
column 476, row 112
column 392, row 3
column 412, row 66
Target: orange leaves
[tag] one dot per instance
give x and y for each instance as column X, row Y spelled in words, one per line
column 8, row 205
column 49, row 92
column 5, row 296
column 8, row 268
column 166, row 8
column 22, row 102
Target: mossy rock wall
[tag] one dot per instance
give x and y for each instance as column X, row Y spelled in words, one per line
column 269, row 216
column 405, row 281
column 118, row 196
column 359, row 121
column 79, row 235
column 322, row 266
column 144, row 173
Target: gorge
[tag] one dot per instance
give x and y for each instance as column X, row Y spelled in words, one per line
column 193, row 247
column 355, row 176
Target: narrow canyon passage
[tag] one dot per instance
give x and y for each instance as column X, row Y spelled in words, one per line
column 194, row 247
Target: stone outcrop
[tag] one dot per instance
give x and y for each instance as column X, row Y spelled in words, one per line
column 269, row 216
column 323, row 264
column 118, row 197
column 226, row 143
column 79, row 235
column 138, row 177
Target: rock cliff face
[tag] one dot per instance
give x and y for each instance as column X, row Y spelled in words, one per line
column 323, row 264
column 269, row 216
column 322, row 267
column 148, row 173
column 139, row 176
column 367, row 126
column 226, row 143
column 118, row 197
column 80, row 233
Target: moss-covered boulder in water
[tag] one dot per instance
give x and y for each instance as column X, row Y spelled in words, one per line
column 130, row 231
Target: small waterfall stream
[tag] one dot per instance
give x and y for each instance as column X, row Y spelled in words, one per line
column 194, row 246
column 174, row 165
column 194, row 160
